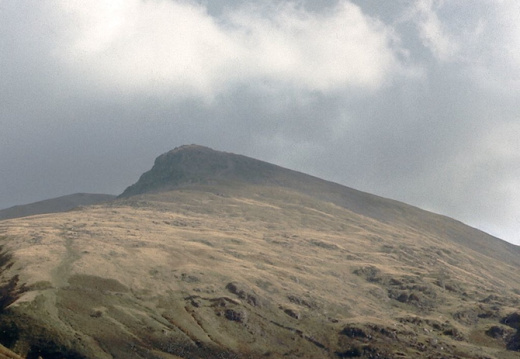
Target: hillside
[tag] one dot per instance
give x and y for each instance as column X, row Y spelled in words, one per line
column 215, row 255
column 54, row 205
column 189, row 165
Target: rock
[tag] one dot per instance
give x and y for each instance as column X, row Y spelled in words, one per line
column 242, row 293
column 512, row 320
column 351, row 353
column 236, row 316
column 467, row 316
column 514, row 343
column 96, row 313
column 302, row 302
column 454, row 332
column 498, row 332
column 371, row 274
column 292, row 313
column 354, row 332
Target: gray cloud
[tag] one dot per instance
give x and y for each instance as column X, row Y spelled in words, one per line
column 417, row 101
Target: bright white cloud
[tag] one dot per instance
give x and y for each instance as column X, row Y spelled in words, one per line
column 146, row 45
column 177, row 47
column 319, row 51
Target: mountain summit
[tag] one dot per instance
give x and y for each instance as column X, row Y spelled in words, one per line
column 212, row 255
column 193, row 164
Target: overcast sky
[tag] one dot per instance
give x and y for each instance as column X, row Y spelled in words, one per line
column 416, row 100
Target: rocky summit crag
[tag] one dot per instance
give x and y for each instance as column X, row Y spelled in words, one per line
column 215, row 255
column 192, row 164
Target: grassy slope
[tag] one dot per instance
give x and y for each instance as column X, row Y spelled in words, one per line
column 191, row 165
column 251, row 271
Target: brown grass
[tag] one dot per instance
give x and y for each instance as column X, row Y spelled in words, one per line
column 151, row 275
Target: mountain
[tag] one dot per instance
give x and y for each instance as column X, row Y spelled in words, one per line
column 54, row 205
column 192, row 164
column 215, row 255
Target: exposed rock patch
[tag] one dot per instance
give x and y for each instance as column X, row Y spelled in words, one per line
column 243, row 293
column 499, row 332
column 292, row 313
column 512, row 320
column 235, row 315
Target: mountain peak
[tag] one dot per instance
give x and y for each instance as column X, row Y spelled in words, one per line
column 192, row 147
column 194, row 164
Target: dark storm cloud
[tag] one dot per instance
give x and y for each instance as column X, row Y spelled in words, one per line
column 417, row 101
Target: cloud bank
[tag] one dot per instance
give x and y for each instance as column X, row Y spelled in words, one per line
column 179, row 49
